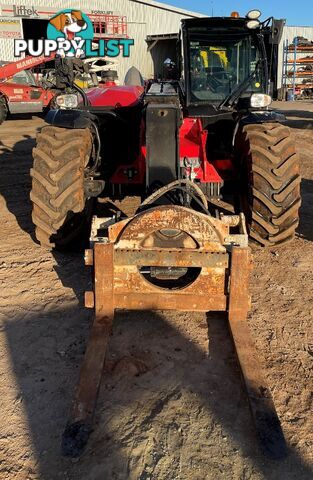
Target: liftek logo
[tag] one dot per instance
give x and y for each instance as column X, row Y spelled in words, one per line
column 23, row 11
column 70, row 33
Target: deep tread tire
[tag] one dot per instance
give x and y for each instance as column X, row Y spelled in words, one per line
column 270, row 183
column 58, row 198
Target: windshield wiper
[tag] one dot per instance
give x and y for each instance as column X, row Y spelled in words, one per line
column 230, row 99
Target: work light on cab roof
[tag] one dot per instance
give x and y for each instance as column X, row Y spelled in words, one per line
column 253, row 17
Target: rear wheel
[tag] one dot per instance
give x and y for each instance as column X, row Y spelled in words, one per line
column 270, row 183
column 61, row 212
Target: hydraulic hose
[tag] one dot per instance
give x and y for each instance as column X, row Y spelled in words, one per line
column 177, row 184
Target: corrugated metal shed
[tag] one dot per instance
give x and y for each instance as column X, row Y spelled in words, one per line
column 144, row 17
column 289, row 33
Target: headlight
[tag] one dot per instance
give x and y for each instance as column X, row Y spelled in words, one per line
column 253, row 24
column 259, row 100
column 67, row 101
column 253, row 14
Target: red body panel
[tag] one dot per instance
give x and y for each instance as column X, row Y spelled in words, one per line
column 192, row 140
column 115, row 96
column 10, row 69
column 193, row 157
column 133, row 174
column 107, row 84
column 192, row 143
column 15, row 92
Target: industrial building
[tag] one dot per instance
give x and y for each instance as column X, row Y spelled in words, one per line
column 288, row 60
column 153, row 26
column 136, row 19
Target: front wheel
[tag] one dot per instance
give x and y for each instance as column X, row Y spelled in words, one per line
column 270, row 183
column 61, row 211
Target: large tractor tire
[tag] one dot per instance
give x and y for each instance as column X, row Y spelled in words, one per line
column 270, row 183
column 61, row 211
column 3, row 110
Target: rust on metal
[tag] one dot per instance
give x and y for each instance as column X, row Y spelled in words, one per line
column 134, row 267
column 81, row 418
column 167, row 258
column 171, row 301
column 89, row 257
column 210, row 282
column 260, row 399
column 206, row 231
column 89, row 300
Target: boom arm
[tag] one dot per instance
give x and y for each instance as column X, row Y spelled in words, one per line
column 10, row 69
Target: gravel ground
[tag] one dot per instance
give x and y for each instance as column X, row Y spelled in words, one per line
column 171, row 404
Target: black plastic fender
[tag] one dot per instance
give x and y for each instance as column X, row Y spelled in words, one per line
column 262, row 117
column 71, row 118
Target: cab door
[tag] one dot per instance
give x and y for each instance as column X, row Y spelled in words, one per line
column 26, row 96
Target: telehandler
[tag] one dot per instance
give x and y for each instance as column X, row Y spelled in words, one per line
column 179, row 146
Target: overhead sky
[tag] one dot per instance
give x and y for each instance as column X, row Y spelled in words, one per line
column 295, row 13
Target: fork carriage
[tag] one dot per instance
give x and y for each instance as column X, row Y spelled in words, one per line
column 137, row 268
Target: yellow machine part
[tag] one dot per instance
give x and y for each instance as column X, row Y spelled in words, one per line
column 221, row 53
column 82, row 82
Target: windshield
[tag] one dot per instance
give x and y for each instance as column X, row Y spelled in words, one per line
column 220, row 63
column 25, row 77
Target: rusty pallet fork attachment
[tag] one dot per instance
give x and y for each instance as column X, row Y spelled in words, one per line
column 214, row 266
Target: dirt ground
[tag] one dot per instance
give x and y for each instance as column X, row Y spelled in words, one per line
column 171, row 404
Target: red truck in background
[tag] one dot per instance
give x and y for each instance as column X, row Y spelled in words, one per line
column 19, row 90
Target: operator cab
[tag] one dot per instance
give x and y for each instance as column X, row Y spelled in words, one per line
column 224, row 61
column 23, row 77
